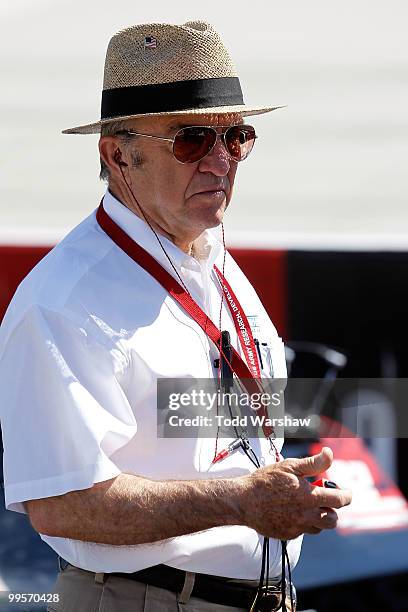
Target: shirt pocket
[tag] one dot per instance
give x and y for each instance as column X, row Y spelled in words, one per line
column 271, row 354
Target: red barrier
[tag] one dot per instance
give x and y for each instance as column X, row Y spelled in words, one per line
column 267, row 271
column 15, row 263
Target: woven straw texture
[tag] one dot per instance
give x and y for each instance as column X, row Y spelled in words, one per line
column 182, row 52
column 191, row 51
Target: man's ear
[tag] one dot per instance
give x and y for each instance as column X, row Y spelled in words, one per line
column 112, row 155
column 118, row 158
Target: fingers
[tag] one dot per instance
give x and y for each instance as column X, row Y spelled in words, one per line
column 331, row 498
column 311, row 522
column 327, row 519
column 311, row 466
column 317, row 521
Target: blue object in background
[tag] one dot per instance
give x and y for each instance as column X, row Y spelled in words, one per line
column 27, row 564
column 330, row 558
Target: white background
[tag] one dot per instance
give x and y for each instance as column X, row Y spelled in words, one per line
column 330, row 169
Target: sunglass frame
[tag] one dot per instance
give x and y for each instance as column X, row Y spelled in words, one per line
column 222, row 135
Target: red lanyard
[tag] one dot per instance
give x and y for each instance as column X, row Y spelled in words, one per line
column 248, row 376
column 242, row 326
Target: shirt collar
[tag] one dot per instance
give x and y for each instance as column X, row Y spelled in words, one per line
column 206, row 246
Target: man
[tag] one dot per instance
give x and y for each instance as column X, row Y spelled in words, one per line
column 142, row 522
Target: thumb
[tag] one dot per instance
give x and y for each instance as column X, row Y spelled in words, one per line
column 311, row 466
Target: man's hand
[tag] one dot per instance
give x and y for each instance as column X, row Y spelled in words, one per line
column 280, row 503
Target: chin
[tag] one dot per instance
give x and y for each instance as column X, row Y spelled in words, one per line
column 205, row 213
column 212, row 219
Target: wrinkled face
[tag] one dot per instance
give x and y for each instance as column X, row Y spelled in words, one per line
column 183, row 199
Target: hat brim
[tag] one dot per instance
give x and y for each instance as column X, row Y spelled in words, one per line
column 245, row 111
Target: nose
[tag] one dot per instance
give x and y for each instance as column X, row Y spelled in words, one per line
column 217, row 161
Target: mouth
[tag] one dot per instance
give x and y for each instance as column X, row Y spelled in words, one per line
column 213, row 190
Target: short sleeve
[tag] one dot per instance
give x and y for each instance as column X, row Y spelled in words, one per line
column 63, row 411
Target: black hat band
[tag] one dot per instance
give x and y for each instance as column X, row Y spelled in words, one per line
column 169, row 97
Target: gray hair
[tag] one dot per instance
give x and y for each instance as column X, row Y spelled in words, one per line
column 111, row 129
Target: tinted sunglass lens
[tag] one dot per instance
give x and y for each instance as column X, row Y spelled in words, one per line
column 193, row 143
column 240, row 140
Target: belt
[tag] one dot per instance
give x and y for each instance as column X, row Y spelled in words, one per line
column 214, row 589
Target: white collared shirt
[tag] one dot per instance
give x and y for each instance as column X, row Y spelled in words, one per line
column 83, row 342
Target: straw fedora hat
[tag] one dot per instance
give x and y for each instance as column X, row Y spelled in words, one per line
column 165, row 69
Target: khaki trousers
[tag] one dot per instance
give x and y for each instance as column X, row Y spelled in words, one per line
column 82, row 591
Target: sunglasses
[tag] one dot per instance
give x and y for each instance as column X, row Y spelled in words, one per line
column 190, row 144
